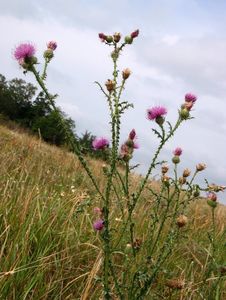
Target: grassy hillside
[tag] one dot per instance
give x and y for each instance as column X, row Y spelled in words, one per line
column 48, row 248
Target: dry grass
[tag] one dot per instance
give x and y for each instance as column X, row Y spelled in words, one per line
column 48, row 249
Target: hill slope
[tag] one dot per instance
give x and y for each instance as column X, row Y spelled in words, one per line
column 48, row 249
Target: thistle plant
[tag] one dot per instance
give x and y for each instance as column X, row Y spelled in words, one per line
column 134, row 261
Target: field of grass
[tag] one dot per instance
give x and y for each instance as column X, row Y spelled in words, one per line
column 48, row 248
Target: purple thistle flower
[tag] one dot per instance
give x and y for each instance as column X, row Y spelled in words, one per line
column 98, row 225
column 134, row 34
column 156, row 112
column 212, row 196
column 189, row 97
column 136, row 145
column 24, row 51
column 177, row 151
column 52, row 45
column 100, row 143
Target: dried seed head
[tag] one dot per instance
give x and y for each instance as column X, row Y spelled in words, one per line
column 110, row 85
column 165, row 169
column 186, row 173
column 117, row 37
column 182, row 220
column 182, row 180
column 126, row 73
column 200, row 167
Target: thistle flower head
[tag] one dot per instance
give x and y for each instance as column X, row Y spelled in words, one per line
column 117, row 37
column 23, row 51
column 189, row 97
column 200, row 167
column 126, row 73
column 98, row 225
column 52, row 45
column 100, row 143
column 182, row 221
column 156, row 112
column 177, row 151
column 212, row 196
column 165, row 169
column 186, row 172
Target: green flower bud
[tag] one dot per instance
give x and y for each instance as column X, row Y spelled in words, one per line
column 176, row 159
column 184, row 114
column 159, row 120
column 211, row 203
column 48, row 54
column 109, row 39
column 128, row 39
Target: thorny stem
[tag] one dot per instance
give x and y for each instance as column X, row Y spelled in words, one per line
column 74, row 145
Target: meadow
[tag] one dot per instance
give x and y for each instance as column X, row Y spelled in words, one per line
column 49, row 249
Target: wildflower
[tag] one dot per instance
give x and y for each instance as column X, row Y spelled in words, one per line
column 98, row 225
column 52, row 45
column 24, row 51
column 189, row 97
column 117, row 37
column 165, row 169
column 176, row 159
column 182, row 220
column 109, row 39
column 212, row 196
column 48, row 54
column 200, row 167
column 156, row 113
column 188, row 105
column 100, row 143
column 177, row 151
column 186, row 172
column 97, row 210
column 134, row 34
column 102, row 36
column 126, row 73
column 110, row 85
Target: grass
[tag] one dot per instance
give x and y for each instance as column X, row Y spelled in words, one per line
column 48, row 248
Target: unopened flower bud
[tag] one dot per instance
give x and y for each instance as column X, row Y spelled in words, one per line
column 128, row 39
column 186, row 173
column 102, row 36
column 182, row 220
column 117, row 37
column 126, row 73
column 176, row 159
column 110, row 85
column 135, row 34
column 182, row 180
column 109, row 39
column 165, row 169
column 165, row 180
column 184, row 114
column 211, row 203
column 200, row 167
column 132, row 134
column 48, row 54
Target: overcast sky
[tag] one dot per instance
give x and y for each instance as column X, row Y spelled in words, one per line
column 181, row 48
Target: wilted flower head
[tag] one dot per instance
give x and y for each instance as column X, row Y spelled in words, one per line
column 23, row 51
column 182, row 220
column 177, row 151
column 189, row 97
column 126, row 73
column 134, row 34
column 186, row 172
column 156, row 112
column 117, row 37
column 165, row 169
column 110, row 85
column 200, row 167
column 52, row 45
column 98, row 225
column 100, row 143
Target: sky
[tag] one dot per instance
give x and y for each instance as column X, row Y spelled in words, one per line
column 181, row 48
